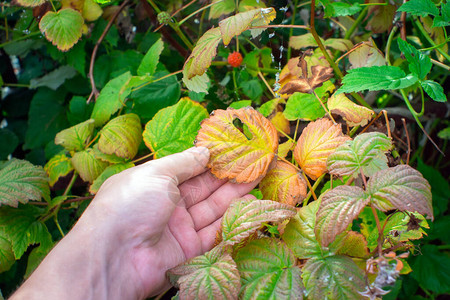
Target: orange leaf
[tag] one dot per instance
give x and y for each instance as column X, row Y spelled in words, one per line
column 318, row 140
column 283, row 184
column 241, row 156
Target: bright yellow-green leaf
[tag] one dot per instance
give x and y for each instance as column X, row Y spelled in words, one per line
column 75, row 4
column 30, row 3
column 198, row 83
column 62, row 28
column 354, row 244
column 317, row 141
column 284, row 148
column 353, row 114
column 221, row 7
column 75, row 137
column 21, row 181
column 245, row 216
column 283, row 184
column 234, row 155
column 108, row 172
column 109, row 158
column 58, row 166
column 151, row 59
column 6, row 254
column 91, row 11
column 121, row 136
column 281, row 123
column 173, row 129
column 87, row 165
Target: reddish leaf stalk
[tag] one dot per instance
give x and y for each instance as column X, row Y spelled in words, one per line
column 408, row 141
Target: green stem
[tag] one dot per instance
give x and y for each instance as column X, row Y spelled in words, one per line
column 17, row 85
column 55, row 218
column 20, row 38
column 53, row 6
column 429, row 39
column 355, row 25
column 291, row 31
column 389, row 43
column 313, row 188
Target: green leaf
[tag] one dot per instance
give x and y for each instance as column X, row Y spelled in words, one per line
column 345, row 9
column 440, row 188
column 307, row 40
column 240, row 104
column 365, row 152
column 444, row 18
column 62, row 28
column 58, row 166
column 434, row 90
column 121, row 136
column 251, row 88
column 198, row 84
column 213, row 275
column 431, row 269
column 75, row 137
column 337, row 210
column 108, row 172
column 110, row 99
column 223, row 7
column 268, row 270
column 109, row 158
column 46, row 117
column 402, row 188
column 333, row 277
column 245, row 216
column 85, row 163
column 54, row 79
column 383, row 17
column 299, row 232
column 304, row 107
column 354, row 244
column 9, row 143
column 21, row 181
column 173, row 129
column 36, row 256
column 151, row 59
column 419, row 63
column 420, row 8
column 79, row 111
column 7, row 257
column 21, row 227
column 30, row 3
column 376, row 78
column 267, row 108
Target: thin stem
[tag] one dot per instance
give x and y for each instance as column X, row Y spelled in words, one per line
column 407, row 140
column 324, row 107
column 55, row 218
column 316, row 184
column 267, row 84
column 282, row 26
column 235, row 83
column 355, row 24
column 309, row 186
column 53, row 5
column 388, row 128
column 92, row 141
column 429, row 39
column 156, row 80
column 17, row 85
column 296, row 129
column 20, row 38
column 439, row 64
column 380, row 231
column 176, row 12
column 197, row 11
column 142, row 158
column 371, row 122
column 388, row 44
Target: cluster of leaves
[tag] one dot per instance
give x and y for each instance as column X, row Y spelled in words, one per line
column 369, row 205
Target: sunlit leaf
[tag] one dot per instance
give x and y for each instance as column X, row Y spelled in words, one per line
column 366, row 54
column 353, row 114
column 402, row 188
column 283, row 184
column 62, row 28
column 281, row 123
column 21, row 181
column 151, row 59
column 121, row 136
column 245, row 216
column 317, row 141
column 75, row 137
column 234, row 155
column 284, row 148
column 419, row 8
column 58, row 166
column 434, row 90
column 108, row 172
column 354, row 244
column 269, row 107
column 85, row 163
column 198, row 84
column 419, row 63
column 173, row 129
column 91, row 11
column 365, row 152
column 333, row 277
column 337, row 210
column 213, row 275
column 268, row 270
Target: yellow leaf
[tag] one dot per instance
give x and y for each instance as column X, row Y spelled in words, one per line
column 91, row 11
column 74, row 4
column 283, row 184
column 283, row 149
column 318, row 140
column 281, row 123
column 352, row 113
column 87, row 165
column 234, row 155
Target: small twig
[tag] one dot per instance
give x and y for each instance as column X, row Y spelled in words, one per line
column 439, row 64
column 142, row 158
column 309, row 186
column 282, row 26
column 388, row 128
column 371, row 122
column 266, row 83
column 324, row 107
column 94, row 52
column 408, row 141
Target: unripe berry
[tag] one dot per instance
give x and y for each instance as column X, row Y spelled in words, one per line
column 163, row 18
column 235, row 59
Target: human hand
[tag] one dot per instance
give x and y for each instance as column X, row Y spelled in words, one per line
column 141, row 223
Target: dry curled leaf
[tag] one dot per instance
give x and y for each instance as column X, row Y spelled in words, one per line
column 238, row 154
column 353, row 114
column 318, row 141
column 283, row 184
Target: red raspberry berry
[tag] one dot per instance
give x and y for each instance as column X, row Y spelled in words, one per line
column 235, row 59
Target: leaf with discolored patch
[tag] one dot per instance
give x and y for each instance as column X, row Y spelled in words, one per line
column 213, row 275
column 85, row 163
column 245, row 216
column 318, row 141
column 354, row 244
column 333, row 277
column 337, row 210
column 233, row 154
column 108, row 172
column 121, row 136
column 268, row 270
column 281, row 123
column 21, row 181
column 30, row 3
column 402, row 188
column 365, row 152
column 76, row 137
column 284, row 148
column 366, row 54
column 63, row 28
column 283, row 184
column 307, row 40
column 173, row 129
column 353, row 114
column 58, row 166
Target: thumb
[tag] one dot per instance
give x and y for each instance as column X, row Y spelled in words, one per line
column 181, row 166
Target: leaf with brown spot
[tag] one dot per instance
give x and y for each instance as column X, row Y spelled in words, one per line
column 318, row 141
column 283, row 184
column 353, row 114
column 233, row 154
